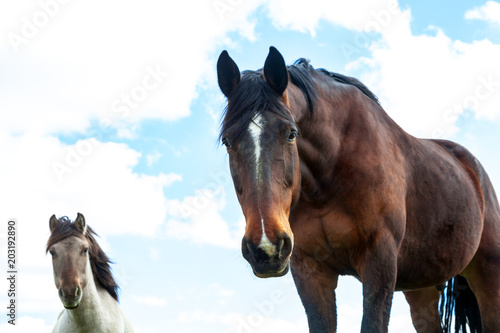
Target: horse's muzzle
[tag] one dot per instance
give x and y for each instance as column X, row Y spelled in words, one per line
column 70, row 297
column 265, row 262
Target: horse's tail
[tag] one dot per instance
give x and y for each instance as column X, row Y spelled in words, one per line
column 458, row 296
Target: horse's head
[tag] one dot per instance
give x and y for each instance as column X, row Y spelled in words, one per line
column 259, row 133
column 69, row 248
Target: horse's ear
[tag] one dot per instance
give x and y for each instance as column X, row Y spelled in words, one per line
column 81, row 224
column 275, row 71
column 228, row 73
column 53, row 222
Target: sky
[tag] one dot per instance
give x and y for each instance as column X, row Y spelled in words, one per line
column 112, row 109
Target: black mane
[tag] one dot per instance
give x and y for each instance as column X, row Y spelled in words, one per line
column 352, row 81
column 300, row 76
column 253, row 95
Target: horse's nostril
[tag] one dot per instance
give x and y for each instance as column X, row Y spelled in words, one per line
column 280, row 245
column 61, row 293
column 252, row 252
column 246, row 249
column 284, row 246
column 77, row 292
column 250, row 249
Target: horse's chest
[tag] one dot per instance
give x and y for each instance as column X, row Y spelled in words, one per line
column 328, row 238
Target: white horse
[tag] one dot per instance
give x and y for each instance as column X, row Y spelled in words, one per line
column 84, row 281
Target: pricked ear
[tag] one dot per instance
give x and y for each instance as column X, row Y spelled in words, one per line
column 53, row 223
column 81, row 224
column 228, row 73
column 275, row 71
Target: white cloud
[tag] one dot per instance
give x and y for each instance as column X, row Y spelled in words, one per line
column 221, row 295
column 198, row 219
column 154, row 253
column 202, row 316
column 401, row 324
column 489, row 12
column 349, row 319
column 102, row 185
column 27, row 324
column 258, row 323
column 114, row 199
column 95, row 59
column 32, row 298
column 152, row 158
column 359, row 15
column 92, row 53
column 425, row 82
column 266, row 320
column 220, row 291
column 150, row 300
column 241, row 323
column 213, row 293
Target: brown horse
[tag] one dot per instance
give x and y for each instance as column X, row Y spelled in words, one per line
column 330, row 185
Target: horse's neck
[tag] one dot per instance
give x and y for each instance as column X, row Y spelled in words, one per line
column 94, row 306
column 341, row 133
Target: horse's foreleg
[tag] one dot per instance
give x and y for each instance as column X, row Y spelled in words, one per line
column 424, row 309
column 378, row 269
column 316, row 285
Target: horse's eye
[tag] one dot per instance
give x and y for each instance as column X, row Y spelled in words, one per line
column 292, row 135
column 52, row 253
column 226, row 143
column 86, row 250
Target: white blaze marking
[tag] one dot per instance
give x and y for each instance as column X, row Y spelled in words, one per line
column 255, row 130
column 265, row 243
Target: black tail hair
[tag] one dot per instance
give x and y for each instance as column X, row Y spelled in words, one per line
column 458, row 296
